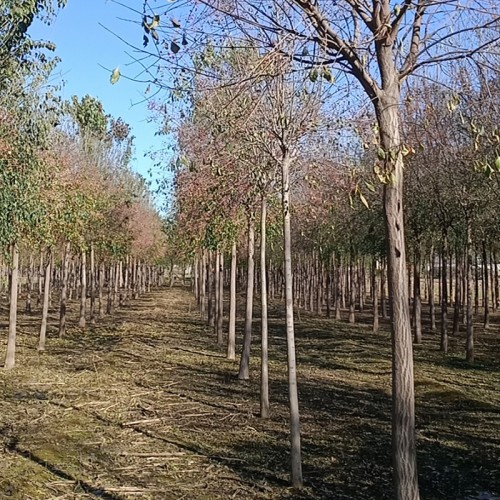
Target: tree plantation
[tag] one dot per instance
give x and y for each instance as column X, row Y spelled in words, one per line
column 307, row 302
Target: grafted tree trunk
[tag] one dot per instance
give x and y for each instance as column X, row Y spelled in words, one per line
column 244, row 373
column 403, row 396
column 10, row 356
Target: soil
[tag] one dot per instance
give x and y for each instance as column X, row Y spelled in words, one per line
column 145, row 405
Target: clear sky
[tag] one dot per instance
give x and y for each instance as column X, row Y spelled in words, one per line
column 85, row 48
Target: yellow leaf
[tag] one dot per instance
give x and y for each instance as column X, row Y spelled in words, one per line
column 115, row 76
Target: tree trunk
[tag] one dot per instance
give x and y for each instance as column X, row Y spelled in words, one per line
column 211, row 289
column 64, row 291
column 101, row 290
column 444, row 295
column 45, row 306
column 203, row 283
column 432, row 308
column 296, row 460
column 40, row 274
column 231, row 338
column 10, row 356
column 375, row 325
column 352, row 290
column 92, row 285
column 220, row 313
column 469, row 348
column 83, row 293
column 417, row 298
column 29, row 284
column 486, row 295
column 244, row 373
column 403, row 394
column 264, row 371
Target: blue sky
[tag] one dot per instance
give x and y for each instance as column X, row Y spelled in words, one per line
column 84, row 47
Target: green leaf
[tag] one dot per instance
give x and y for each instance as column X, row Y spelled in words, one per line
column 327, row 75
column 497, row 164
column 155, row 23
column 381, row 154
column 115, row 76
column 313, row 75
column 364, row 200
column 370, row 186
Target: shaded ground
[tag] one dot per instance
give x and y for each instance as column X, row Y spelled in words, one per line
column 145, row 405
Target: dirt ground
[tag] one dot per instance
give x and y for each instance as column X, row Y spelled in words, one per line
column 145, row 405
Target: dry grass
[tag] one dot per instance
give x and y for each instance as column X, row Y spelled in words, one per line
column 144, row 405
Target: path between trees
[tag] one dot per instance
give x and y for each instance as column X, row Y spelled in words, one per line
column 145, row 406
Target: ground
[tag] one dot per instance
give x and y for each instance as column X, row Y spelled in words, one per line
column 145, row 405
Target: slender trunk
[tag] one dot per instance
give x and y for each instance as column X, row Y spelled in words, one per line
column 432, row 308
column 211, row 289
column 444, row 295
column 296, row 460
column 375, row 297
column 83, row 296
column 352, row 290
column 470, row 320
column 264, row 371
column 476, row 284
column 10, row 356
column 64, row 291
column 92, row 284
column 196, row 289
column 383, row 295
column 203, row 283
column 109, row 302
column 417, row 299
column 45, row 307
column 40, row 274
column 231, row 339
column 117, row 282
column 338, row 288
column 497, row 283
column 220, row 313
column 219, row 281
column 216, row 294
column 29, row 284
column 101, row 290
column 486, row 296
column 458, row 298
column 244, row 373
